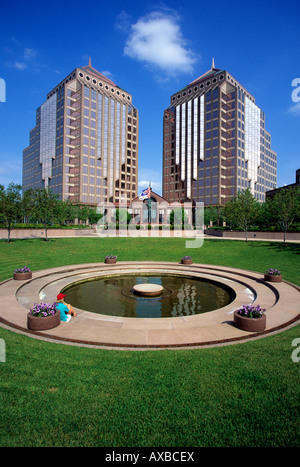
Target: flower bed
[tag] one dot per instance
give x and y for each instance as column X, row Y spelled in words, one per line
column 250, row 318
column 22, row 273
column 43, row 309
column 186, row 260
column 43, row 316
column 110, row 259
column 273, row 275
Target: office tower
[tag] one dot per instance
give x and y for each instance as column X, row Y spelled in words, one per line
column 84, row 146
column 215, row 143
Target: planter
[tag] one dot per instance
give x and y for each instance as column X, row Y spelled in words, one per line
column 186, row 261
column 273, row 278
column 249, row 324
column 110, row 260
column 22, row 276
column 41, row 323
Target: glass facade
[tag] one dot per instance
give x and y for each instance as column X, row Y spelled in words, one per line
column 32, row 169
column 85, row 143
column 252, row 140
column 215, row 143
column 48, row 137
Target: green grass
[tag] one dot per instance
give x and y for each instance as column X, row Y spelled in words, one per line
column 257, row 256
column 238, row 395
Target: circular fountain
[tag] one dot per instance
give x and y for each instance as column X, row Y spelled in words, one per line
column 148, row 296
column 187, row 317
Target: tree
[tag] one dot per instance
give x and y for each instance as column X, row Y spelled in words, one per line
column 66, row 212
column 94, row 216
column 44, row 207
column 285, row 206
column 265, row 217
column 10, row 202
column 178, row 218
column 242, row 210
column 82, row 213
column 210, row 214
column 27, row 204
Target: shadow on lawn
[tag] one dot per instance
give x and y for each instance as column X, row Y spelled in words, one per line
column 279, row 247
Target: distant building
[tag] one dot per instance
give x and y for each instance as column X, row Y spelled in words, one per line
column 215, row 143
column 150, row 209
column 84, row 146
column 271, row 193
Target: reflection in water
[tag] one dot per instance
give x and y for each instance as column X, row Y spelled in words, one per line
column 182, row 296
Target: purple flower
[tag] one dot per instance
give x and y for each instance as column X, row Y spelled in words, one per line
column 251, row 311
column 273, row 272
column 23, row 270
column 43, row 309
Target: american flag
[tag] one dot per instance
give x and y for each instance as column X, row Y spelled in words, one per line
column 145, row 193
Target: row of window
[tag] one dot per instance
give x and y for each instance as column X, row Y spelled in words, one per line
column 102, row 86
column 200, row 86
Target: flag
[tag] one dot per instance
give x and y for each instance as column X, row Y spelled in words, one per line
column 145, row 194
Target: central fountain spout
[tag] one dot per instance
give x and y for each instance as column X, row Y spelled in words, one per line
column 148, row 290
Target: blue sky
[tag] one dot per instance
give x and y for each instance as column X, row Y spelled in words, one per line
column 151, row 50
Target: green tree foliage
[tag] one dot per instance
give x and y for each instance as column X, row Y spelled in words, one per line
column 265, row 218
column 285, row 207
column 94, row 216
column 10, row 205
column 44, row 207
column 242, row 211
column 214, row 214
column 122, row 217
column 178, row 218
column 66, row 212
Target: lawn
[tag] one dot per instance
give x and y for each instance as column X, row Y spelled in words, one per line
column 237, row 395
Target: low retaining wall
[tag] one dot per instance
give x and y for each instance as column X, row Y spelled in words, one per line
column 93, row 232
column 40, row 233
column 251, row 235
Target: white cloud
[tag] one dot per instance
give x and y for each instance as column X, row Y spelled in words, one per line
column 23, row 57
column 108, row 74
column 20, row 65
column 123, row 22
column 29, row 54
column 156, row 186
column 157, row 40
column 295, row 109
column 147, row 176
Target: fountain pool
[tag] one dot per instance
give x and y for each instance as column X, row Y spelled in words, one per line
column 130, row 295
